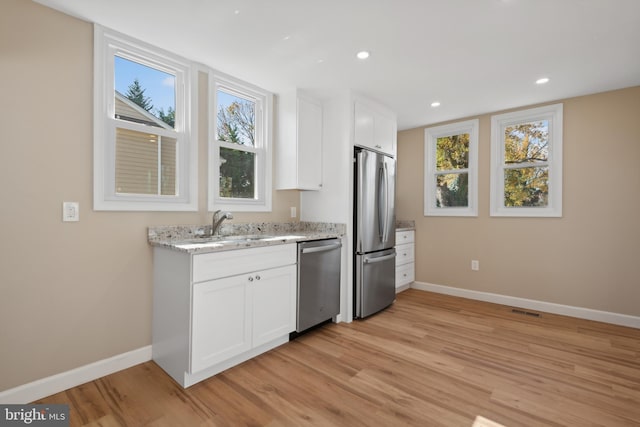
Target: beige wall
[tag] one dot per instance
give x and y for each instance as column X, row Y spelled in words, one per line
column 70, row 293
column 588, row 258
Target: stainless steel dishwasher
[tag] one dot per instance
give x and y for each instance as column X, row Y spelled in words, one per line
column 318, row 282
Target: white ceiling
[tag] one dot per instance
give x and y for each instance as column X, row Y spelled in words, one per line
column 474, row 56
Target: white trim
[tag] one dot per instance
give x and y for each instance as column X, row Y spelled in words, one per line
column 547, row 307
column 44, row 387
column 431, row 136
column 403, row 288
column 107, row 44
column 552, row 113
column 263, row 149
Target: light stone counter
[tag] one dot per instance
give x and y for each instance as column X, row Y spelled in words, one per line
column 405, row 225
column 194, row 238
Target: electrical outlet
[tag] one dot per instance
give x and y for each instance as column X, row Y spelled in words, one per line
column 70, row 211
column 293, row 212
column 475, row 265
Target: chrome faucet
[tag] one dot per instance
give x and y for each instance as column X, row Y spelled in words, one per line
column 216, row 221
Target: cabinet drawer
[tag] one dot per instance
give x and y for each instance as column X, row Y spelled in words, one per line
column 403, row 237
column 229, row 263
column 404, row 254
column 405, row 274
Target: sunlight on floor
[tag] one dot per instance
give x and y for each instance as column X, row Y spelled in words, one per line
column 484, row 422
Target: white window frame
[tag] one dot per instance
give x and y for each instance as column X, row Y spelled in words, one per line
column 552, row 113
column 262, row 148
column 107, row 44
column 430, row 168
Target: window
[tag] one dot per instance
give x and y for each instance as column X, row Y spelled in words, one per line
column 451, row 171
column 144, row 157
column 240, row 146
column 526, row 162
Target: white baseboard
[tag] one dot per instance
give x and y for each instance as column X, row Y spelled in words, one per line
column 403, row 288
column 56, row 383
column 44, row 387
column 548, row 307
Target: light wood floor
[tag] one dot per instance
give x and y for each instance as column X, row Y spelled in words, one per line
column 429, row 360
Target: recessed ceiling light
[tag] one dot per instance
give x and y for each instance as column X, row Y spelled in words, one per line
column 363, row 54
column 542, row 81
column 435, row 104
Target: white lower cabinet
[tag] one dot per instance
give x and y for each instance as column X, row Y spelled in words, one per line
column 274, row 304
column 221, row 321
column 213, row 311
column 405, row 259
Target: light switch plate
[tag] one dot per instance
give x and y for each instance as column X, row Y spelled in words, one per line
column 70, row 211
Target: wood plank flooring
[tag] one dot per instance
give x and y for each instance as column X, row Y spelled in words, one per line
column 428, row 360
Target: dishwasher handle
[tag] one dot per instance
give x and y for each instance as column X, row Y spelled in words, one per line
column 321, row 248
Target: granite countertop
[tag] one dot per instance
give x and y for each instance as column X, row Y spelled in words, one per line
column 403, row 225
column 193, row 239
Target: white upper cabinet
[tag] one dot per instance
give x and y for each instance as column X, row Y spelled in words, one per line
column 299, row 143
column 374, row 127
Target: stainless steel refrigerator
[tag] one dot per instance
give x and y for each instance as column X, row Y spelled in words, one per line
column 374, row 232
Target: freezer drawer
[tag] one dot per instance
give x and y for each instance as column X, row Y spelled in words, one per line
column 318, row 282
column 375, row 284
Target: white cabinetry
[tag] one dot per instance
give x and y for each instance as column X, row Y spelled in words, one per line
column 274, row 304
column 405, row 259
column 374, row 128
column 216, row 303
column 213, row 311
column 299, row 143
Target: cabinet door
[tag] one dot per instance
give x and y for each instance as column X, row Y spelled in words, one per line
column 309, row 144
column 274, row 303
column 221, row 322
column 384, row 134
column 373, row 129
column 363, row 125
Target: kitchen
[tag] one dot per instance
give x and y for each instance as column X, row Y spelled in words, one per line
column 88, row 298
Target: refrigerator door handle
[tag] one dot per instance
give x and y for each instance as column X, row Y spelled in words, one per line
column 379, row 259
column 382, row 194
column 385, row 236
column 359, row 177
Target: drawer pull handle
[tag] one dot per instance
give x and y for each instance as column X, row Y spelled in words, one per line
column 250, row 279
column 257, row 277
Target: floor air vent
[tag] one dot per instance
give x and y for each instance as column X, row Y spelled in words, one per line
column 525, row 313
